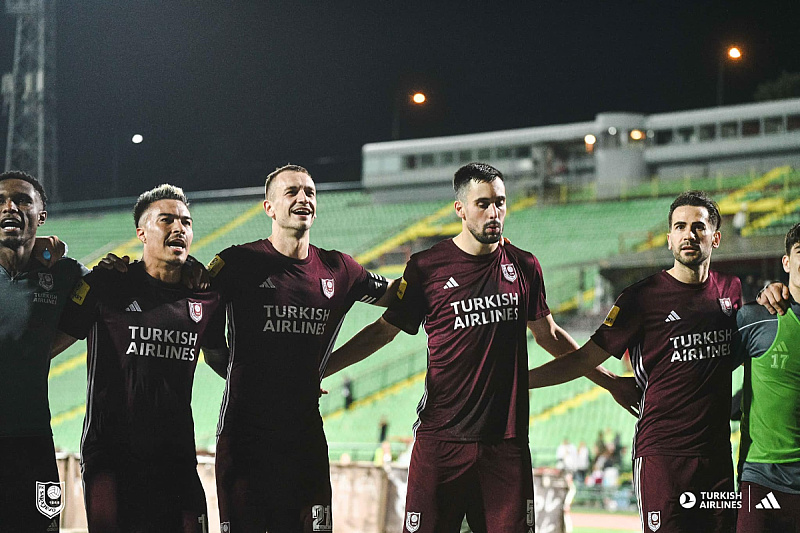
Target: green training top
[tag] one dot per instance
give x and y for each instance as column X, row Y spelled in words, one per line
column 30, row 306
column 774, row 411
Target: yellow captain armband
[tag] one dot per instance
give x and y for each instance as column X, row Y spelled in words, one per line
column 401, row 289
column 612, row 316
column 215, row 266
column 79, row 292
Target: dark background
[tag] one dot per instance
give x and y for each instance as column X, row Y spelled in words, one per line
column 224, row 91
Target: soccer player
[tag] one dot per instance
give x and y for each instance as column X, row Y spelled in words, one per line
column 679, row 326
column 286, row 300
column 475, row 299
column 770, row 446
column 32, row 296
column 144, row 331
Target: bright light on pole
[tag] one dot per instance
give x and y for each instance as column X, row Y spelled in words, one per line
column 137, row 139
column 418, row 98
column 732, row 54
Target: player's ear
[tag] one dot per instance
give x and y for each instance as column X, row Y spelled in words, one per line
column 785, row 261
column 140, row 234
column 269, row 209
column 42, row 217
column 459, row 209
column 716, row 239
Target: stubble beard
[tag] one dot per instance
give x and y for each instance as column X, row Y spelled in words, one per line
column 483, row 238
column 13, row 243
column 691, row 263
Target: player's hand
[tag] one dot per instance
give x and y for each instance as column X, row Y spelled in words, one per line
column 48, row 250
column 627, row 394
column 194, row 275
column 774, row 297
column 112, row 262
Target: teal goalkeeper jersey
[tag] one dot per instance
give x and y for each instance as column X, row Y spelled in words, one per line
column 30, row 306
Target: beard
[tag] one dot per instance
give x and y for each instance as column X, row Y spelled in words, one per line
column 12, row 242
column 483, row 237
column 699, row 259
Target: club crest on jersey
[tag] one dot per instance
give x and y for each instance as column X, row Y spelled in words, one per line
column 726, row 305
column 46, row 281
column 654, row 520
column 196, row 311
column 327, row 287
column 412, row 521
column 50, row 497
column 509, row 272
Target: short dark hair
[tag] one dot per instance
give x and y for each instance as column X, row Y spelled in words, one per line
column 792, row 237
column 697, row 199
column 284, row 168
column 162, row 192
column 24, row 176
column 480, row 172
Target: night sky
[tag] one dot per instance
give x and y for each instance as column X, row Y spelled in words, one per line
column 224, row 91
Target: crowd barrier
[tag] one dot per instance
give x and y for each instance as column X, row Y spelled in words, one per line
column 366, row 498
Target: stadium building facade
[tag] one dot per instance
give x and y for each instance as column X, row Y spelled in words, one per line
column 614, row 152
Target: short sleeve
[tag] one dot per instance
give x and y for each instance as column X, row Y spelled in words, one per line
column 537, row 296
column 621, row 325
column 81, row 309
column 408, row 310
column 220, row 271
column 367, row 287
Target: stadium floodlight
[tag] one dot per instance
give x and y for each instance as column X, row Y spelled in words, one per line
column 734, row 55
column 418, row 98
column 137, row 139
column 590, row 139
column 636, row 135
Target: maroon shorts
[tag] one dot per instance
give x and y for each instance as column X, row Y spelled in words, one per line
column 145, row 498
column 280, row 485
column 765, row 510
column 685, row 494
column 31, row 497
column 490, row 484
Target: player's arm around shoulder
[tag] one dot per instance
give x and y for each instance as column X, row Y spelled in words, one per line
column 79, row 312
column 391, row 293
column 363, row 344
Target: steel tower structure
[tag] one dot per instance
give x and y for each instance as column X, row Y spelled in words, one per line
column 29, row 96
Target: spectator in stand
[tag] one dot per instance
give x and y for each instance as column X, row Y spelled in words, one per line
column 583, row 463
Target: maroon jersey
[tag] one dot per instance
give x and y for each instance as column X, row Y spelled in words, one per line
column 680, row 338
column 475, row 310
column 143, row 345
column 283, row 318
